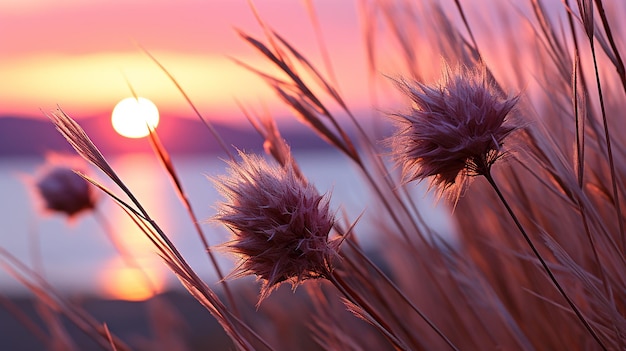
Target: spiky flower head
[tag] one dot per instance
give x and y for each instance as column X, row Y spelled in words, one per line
column 281, row 224
column 61, row 189
column 455, row 129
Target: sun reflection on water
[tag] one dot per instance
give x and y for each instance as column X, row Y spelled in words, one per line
column 140, row 274
column 118, row 280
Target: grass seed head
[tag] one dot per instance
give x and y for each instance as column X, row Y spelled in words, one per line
column 62, row 190
column 455, row 129
column 280, row 223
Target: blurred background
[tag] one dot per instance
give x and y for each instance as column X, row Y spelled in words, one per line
column 86, row 56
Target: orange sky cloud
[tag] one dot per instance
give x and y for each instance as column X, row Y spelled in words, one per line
column 77, row 53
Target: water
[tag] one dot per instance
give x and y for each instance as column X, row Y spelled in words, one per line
column 78, row 257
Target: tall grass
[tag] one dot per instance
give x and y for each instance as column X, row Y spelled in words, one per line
column 540, row 259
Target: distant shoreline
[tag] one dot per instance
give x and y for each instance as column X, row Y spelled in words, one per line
column 21, row 136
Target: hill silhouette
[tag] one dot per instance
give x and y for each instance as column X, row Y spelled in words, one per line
column 22, row 136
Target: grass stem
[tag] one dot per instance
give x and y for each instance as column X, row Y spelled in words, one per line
column 547, row 269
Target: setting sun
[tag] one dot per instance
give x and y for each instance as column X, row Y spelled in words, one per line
column 131, row 117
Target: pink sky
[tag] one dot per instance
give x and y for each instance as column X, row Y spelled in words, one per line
column 76, row 53
column 73, row 52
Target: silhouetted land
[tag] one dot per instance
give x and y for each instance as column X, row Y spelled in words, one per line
column 136, row 323
column 36, row 136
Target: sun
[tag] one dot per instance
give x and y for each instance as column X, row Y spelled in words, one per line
column 131, row 116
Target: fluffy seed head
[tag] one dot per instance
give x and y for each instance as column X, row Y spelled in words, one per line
column 61, row 189
column 454, row 129
column 279, row 221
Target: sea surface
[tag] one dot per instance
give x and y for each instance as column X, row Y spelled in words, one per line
column 78, row 256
